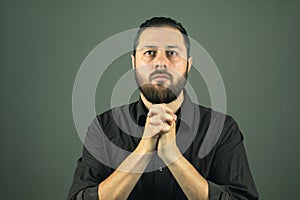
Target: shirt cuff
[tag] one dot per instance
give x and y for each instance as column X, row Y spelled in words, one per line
column 90, row 193
column 215, row 192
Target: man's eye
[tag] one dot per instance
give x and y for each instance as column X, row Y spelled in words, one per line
column 171, row 53
column 149, row 53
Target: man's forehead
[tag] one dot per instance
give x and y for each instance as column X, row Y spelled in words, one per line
column 161, row 36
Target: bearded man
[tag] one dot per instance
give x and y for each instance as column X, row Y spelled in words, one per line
column 149, row 149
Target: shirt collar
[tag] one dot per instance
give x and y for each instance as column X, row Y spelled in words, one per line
column 184, row 114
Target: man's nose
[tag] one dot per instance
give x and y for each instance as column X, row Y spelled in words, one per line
column 161, row 60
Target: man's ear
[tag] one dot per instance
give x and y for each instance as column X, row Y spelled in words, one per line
column 132, row 61
column 190, row 61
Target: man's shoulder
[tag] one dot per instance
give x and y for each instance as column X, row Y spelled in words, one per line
column 213, row 116
column 117, row 111
column 210, row 112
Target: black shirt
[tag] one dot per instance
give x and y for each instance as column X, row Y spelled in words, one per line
column 209, row 140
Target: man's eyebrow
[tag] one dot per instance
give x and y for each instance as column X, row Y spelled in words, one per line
column 173, row 47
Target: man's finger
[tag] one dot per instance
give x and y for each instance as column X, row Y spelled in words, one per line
column 155, row 120
column 167, row 118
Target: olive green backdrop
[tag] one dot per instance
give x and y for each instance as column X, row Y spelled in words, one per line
column 254, row 44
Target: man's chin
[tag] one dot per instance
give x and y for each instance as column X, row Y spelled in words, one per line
column 160, row 85
column 158, row 94
column 160, row 88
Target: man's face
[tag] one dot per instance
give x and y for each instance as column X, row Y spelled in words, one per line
column 161, row 64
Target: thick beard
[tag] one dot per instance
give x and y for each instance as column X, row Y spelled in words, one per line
column 158, row 93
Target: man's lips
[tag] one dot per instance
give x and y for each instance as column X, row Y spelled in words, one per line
column 160, row 77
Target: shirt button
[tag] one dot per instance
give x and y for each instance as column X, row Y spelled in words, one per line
column 160, row 169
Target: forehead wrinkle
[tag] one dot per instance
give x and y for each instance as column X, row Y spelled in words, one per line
column 173, row 47
column 157, row 47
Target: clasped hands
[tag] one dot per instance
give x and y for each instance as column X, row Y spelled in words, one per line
column 160, row 134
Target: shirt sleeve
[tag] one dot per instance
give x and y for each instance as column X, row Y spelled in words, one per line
column 89, row 172
column 230, row 177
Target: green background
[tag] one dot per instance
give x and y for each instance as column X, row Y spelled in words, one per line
column 43, row 43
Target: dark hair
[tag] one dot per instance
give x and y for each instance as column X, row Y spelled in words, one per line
column 162, row 22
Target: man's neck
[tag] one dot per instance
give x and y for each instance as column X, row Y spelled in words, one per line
column 174, row 105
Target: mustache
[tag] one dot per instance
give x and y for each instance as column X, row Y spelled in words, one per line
column 160, row 72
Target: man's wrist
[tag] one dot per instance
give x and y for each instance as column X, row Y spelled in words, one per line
column 146, row 146
column 170, row 154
